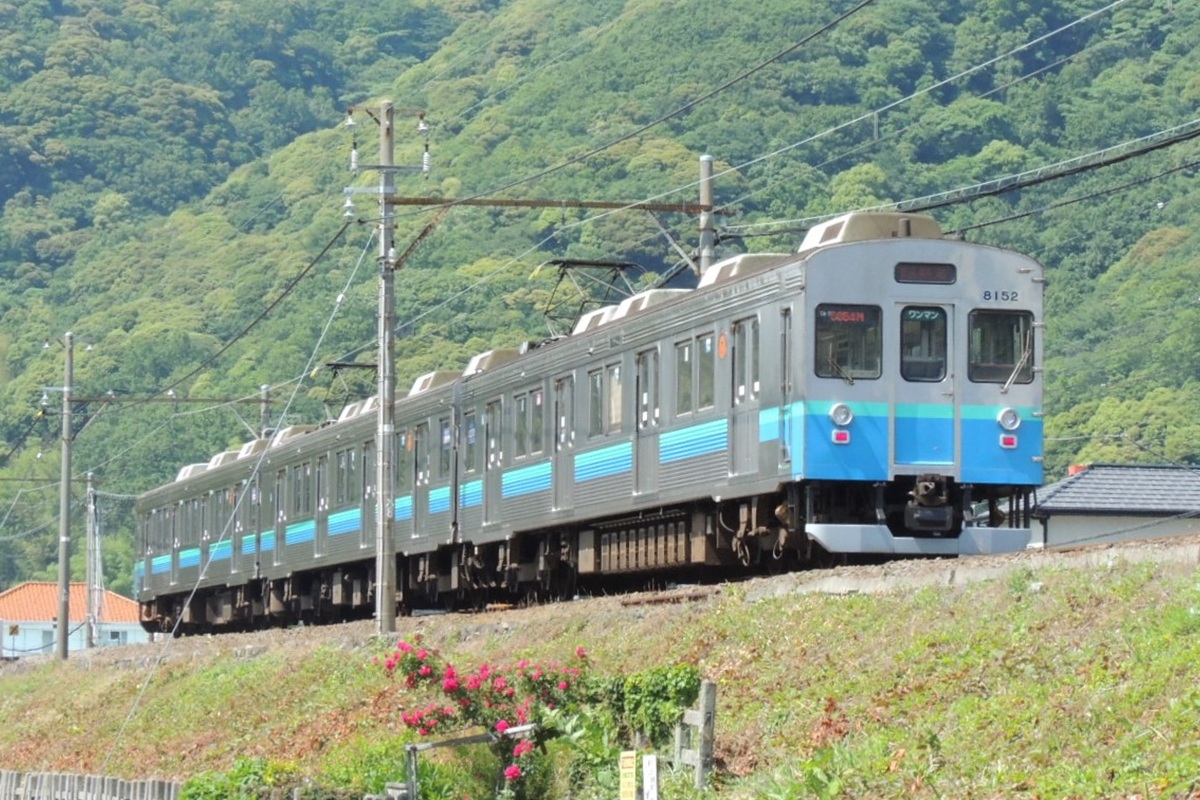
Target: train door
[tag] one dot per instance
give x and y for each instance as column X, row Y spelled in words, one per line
column 321, row 495
column 421, row 469
column 924, row 418
column 786, row 388
column 367, row 534
column 563, row 472
column 744, row 360
column 645, row 463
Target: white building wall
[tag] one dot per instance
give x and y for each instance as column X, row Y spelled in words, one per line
column 1078, row 530
column 40, row 638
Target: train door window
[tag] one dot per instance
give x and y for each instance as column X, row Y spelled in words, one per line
column 564, row 412
column 339, row 493
column 495, row 451
column 322, row 482
column 280, row 506
column 366, row 535
column 470, row 443
column 1000, row 347
column 706, row 373
column 616, row 397
column 647, row 389
column 521, row 426
column 848, row 342
column 537, row 421
column 745, row 360
column 445, row 445
column 421, row 453
column 352, row 479
column 595, row 402
column 403, row 461
column 923, row 343
column 685, row 367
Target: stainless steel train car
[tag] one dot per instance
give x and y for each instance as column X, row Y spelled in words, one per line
column 877, row 392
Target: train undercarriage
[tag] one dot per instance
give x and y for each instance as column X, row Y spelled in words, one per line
column 701, row 542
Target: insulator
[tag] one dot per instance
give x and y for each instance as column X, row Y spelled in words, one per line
column 348, row 208
column 426, row 163
column 350, row 123
column 422, row 127
column 354, row 160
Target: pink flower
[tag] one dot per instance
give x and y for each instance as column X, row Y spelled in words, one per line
column 562, row 686
column 580, row 652
column 404, row 647
column 450, row 685
column 422, row 654
column 501, row 726
column 512, row 772
column 522, row 748
column 425, row 670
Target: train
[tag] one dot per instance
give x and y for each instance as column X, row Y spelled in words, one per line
column 876, row 393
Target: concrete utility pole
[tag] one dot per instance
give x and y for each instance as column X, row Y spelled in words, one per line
column 94, row 571
column 64, row 507
column 708, row 233
column 385, row 509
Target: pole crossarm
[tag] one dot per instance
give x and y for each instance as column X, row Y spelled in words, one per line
column 681, row 208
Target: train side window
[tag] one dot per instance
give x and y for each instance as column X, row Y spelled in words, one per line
column 745, row 360
column 684, row 368
column 444, row 447
column 647, row 389
column 848, row 342
column 471, row 442
column 923, row 343
column 491, row 423
column 615, row 397
column 1000, row 347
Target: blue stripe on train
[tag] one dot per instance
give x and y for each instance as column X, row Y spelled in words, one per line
column 604, row 462
column 300, row 532
column 471, row 494
column 526, row 480
column 189, row 557
column 694, row 440
column 348, row 521
column 221, row 551
column 439, row 500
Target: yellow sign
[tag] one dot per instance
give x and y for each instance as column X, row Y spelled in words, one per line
column 628, row 775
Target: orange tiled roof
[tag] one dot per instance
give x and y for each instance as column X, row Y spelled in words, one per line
column 37, row 601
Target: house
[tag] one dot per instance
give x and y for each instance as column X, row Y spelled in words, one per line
column 28, row 614
column 1103, row 503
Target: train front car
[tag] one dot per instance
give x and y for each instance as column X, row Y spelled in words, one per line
column 922, row 390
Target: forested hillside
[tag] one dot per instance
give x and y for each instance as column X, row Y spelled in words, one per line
column 173, row 176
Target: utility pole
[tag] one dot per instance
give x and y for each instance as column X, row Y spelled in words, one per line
column 385, row 509
column 93, row 564
column 708, row 233
column 64, row 507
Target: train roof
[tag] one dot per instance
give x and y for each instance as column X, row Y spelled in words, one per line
column 863, row 226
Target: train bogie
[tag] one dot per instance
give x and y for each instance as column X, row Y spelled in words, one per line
column 877, row 392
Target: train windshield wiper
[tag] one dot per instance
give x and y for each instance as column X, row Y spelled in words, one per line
column 1026, row 354
column 841, row 372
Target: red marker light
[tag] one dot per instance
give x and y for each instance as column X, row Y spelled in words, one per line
column 841, row 436
column 1008, row 441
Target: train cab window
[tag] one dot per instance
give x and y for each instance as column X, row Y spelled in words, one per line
column 745, row 360
column 647, row 389
column 470, row 442
column 1000, row 347
column 444, row 447
column 848, row 342
column 923, row 343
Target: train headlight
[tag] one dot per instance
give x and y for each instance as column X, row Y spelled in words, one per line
column 841, row 415
column 1009, row 419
